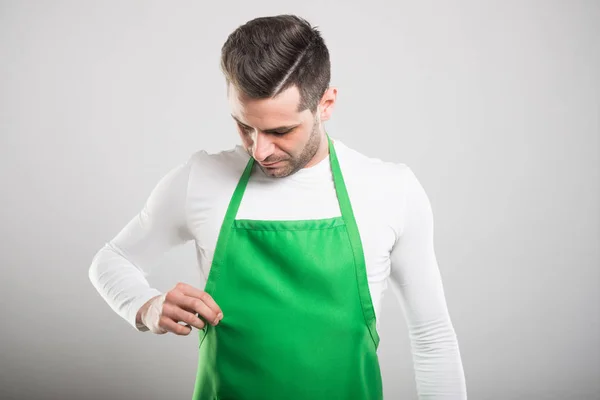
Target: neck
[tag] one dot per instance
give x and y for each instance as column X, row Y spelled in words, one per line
column 322, row 151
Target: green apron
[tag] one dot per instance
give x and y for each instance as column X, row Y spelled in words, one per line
column 298, row 318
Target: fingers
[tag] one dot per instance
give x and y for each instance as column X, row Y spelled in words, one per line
column 177, row 313
column 205, row 298
column 201, row 307
column 174, row 327
column 182, row 303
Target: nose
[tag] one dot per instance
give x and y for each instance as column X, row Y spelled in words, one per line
column 263, row 147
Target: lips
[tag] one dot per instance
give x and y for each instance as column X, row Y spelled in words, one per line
column 270, row 164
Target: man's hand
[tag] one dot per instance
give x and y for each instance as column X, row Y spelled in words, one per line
column 162, row 314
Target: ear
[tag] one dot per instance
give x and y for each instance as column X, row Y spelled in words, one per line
column 327, row 103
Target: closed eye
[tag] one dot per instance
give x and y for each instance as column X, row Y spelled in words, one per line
column 280, row 133
column 246, row 129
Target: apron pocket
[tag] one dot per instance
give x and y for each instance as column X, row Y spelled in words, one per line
column 202, row 335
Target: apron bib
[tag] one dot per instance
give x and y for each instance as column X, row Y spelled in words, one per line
column 298, row 321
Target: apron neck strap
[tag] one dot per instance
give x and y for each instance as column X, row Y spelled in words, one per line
column 340, row 187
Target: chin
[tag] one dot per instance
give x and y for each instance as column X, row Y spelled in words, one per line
column 280, row 172
column 276, row 173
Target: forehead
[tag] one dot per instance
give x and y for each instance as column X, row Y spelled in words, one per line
column 283, row 107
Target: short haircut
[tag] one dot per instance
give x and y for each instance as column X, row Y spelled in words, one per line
column 267, row 55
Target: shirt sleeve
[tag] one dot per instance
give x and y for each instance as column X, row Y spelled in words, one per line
column 416, row 282
column 118, row 270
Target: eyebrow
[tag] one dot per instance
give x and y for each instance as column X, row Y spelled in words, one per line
column 272, row 130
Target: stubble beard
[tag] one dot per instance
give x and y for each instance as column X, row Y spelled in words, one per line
column 293, row 165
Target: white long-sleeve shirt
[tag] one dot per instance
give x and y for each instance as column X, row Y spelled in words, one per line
column 391, row 209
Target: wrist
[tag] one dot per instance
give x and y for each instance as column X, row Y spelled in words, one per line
column 149, row 314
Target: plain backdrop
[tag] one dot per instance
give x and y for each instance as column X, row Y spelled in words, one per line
column 493, row 104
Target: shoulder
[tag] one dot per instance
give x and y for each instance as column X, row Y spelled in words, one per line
column 379, row 189
column 372, row 171
column 229, row 162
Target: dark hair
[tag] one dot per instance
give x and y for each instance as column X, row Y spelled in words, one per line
column 267, row 55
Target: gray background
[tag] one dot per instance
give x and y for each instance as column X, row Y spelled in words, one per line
column 493, row 104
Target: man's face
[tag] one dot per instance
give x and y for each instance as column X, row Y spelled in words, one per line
column 281, row 139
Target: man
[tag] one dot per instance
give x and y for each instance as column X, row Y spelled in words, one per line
column 297, row 236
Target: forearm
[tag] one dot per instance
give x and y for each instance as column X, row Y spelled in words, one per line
column 437, row 362
column 436, row 355
column 119, row 269
column 121, row 284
